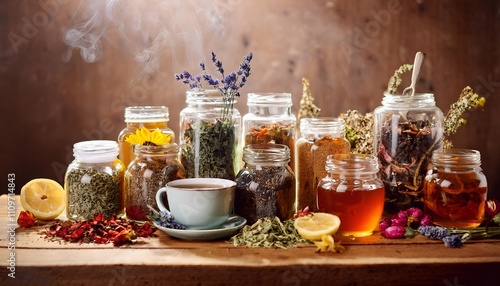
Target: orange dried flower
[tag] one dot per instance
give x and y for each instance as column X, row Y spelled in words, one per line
column 26, row 219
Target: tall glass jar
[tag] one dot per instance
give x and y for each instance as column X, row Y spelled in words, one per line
column 266, row 185
column 210, row 143
column 319, row 137
column 455, row 189
column 407, row 130
column 153, row 167
column 136, row 117
column 270, row 120
column 353, row 192
column 94, row 181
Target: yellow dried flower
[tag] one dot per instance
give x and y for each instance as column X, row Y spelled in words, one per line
column 467, row 100
column 327, row 244
column 144, row 136
column 307, row 108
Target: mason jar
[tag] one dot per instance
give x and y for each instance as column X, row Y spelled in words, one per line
column 270, row 121
column 319, row 137
column 408, row 129
column 265, row 187
column 455, row 189
column 209, row 140
column 353, row 192
column 94, row 181
column 136, row 117
column 152, row 169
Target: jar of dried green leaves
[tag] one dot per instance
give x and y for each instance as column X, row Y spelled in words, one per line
column 153, row 167
column 407, row 131
column 94, row 180
column 266, row 184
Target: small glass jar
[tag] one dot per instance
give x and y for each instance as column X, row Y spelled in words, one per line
column 407, row 130
column 266, row 185
column 353, row 192
column 319, row 137
column 455, row 189
column 153, row 167
column 136, row 117
column 94, row 181
column 210, row 136
column 270, row 120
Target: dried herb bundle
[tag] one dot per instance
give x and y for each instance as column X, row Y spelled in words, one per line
column 270, row 233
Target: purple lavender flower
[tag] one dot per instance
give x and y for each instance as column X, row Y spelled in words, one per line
column 433, row 232
column 452, row 241
column 394, row 231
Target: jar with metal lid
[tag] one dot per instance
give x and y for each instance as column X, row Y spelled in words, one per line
column 210, row 131
column 407, row 130
column 266, row 185
column 319, row 137
column 152, row 169
column 136, row 117
column 455, row 189
column 353, row 192
column 270, row 121
column 94, row 181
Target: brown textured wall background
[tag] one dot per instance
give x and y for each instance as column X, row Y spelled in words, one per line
column 51, row 98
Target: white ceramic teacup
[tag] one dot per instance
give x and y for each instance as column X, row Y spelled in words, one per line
column 199, row 203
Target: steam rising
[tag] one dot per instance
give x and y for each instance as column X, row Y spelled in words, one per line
column 148, row 30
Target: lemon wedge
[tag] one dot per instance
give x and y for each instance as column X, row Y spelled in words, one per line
column 44, row 198
column 314, row 226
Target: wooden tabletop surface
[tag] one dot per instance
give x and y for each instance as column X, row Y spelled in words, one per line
column 164, row 260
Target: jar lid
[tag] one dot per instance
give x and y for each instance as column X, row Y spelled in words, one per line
column 146, row 114
column 269, row 99
column 266, row 153
column 351, row 164
column 407, row 101
column 322, row 125
column 96, row 151
column 456, row 157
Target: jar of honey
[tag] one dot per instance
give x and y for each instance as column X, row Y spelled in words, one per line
column 455, row 190
column 136, row 117
column 353, row 192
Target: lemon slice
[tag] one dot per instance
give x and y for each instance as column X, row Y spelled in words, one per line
column 45, row 198
column 313, row 227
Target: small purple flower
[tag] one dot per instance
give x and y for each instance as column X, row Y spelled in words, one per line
column 384, row 224
column 434, row 232
column 426, row 220
column 399, row 221
column 402, row 214
column 452, row 241
column 415, row 212
column 202, row 65
column 394, row 231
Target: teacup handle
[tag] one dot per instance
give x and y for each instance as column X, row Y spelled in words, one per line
column 159, row 201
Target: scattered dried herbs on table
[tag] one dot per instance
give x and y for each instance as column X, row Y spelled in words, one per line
column 270, row 233
column 210, row 151
column 91, row 192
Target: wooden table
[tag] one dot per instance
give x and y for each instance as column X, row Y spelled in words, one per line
column 164, row 260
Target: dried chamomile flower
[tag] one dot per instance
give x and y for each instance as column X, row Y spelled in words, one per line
column 307, row 108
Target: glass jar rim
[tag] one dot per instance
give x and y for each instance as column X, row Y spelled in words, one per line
column 205, row 96
column 266, row 153
column 456, row 157
column 269, row 99
column 96, row 151
column 146, row 113
column 352, row 164
column 322, row 124
column 417, row 100
column 168, row 148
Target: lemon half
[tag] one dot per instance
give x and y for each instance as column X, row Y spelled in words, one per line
column 313, row 227
column 44, row 198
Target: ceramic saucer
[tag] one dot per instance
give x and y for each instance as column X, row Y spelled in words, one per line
column 230, row 227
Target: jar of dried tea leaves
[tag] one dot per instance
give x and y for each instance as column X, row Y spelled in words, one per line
column 94, row 180
column 136, row 117
column 153, row 167
column 319, row 137
column 270, row 120
column 210, row 140
column 266, row 185
column 455, row 190
column 408, row 129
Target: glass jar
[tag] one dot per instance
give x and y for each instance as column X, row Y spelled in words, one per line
column 136, row 117
column 266, row 185
column 407, row 130
column 94, row 181
column 455, row 189
column 210, row 136
column 153, row 167
column 270, row 120
column 319, row 137
column 353, row 192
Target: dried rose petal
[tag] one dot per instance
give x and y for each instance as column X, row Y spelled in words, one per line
column 402, row 214
column 384, row 224
column 305, row 212
column 26, row 219
column 398, row 221
column 415, row 212
column 491, row 209
column 394, row 231
column 426, row 220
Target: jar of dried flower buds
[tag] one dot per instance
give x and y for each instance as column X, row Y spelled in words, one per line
column 153, row 167
column 319, row 137
column 407, row 130
column 270, row 120
column 94, row 181
column 136, row 117
column 455, row 190
column 266, row 185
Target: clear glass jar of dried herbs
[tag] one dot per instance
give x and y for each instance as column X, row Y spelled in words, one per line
column 266, row 185
column 210, row 132
column 270, row 121
column 153, row 167
column 136, row 117
column 94, row 180
column 408, row 129
column 319, row 137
